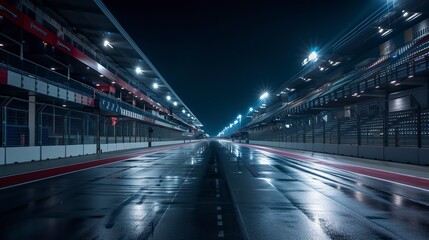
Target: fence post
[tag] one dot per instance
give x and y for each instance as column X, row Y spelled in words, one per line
column 338, row 131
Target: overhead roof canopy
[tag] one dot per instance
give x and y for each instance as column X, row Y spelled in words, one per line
column 93, row 22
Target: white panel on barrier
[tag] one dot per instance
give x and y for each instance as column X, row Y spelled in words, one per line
column 2, row 161
column 29, row 83
column 119, row 146
column 52, row 152
column 89, row 149
column 112, row 147
column 127, row 146
column 41, row 87
column 74, row 150
column 14, row 79
column 104, row 147
column 22, row 154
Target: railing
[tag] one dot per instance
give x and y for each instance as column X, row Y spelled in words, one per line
column 26, row 67
column 401, row 129
column 55, row 125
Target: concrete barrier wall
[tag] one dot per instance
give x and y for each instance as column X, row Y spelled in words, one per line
column 348, row 150
column 74, row 150
column 163, row 143
column 331, row 148
column 89, row 149
column 318, row 147
column 26, row 154
column 2, row 158
column 424, row 156
column 395, row 154
column 22, row 154
column 374, row 152
column 51, row 152
column 401, row 154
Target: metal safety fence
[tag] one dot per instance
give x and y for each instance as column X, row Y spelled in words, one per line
column 26, row 123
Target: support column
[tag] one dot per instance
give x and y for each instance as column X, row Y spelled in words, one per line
column 31, row 120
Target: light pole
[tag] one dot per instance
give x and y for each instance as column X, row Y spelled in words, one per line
column 239, row 119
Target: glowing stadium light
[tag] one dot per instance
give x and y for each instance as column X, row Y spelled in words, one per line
column 189, row 115
column 230, row 125
column 183, row 111
column 387, row 32
column 235, row 122
column 313, row 56
column 175, row 104
column 168, row 97
column 107, row 43
column 239, row 116
column 404, row 13
column 139, row 70
column 264, row 95
column 412, row 17
column 250, row 109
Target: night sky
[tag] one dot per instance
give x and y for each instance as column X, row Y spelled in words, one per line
column 218, row 56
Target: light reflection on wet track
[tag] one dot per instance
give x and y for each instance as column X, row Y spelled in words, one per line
column 213, row 190
column 332, row 204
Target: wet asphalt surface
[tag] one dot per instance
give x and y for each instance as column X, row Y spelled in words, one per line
column 213, row 190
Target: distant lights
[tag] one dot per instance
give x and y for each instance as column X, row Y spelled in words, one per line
column 97, row 84
column 155, row 85
column 175, row 103
column 101, row 75
column 404, row 13
column 183, row 111
column 168, row 97
column 188, row 115
column 1, row 45
column 52, row 68
column 113, row 82
column 250, row 109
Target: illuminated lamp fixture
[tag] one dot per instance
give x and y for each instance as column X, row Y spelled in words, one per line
column 107, row 43
column 139, row 70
